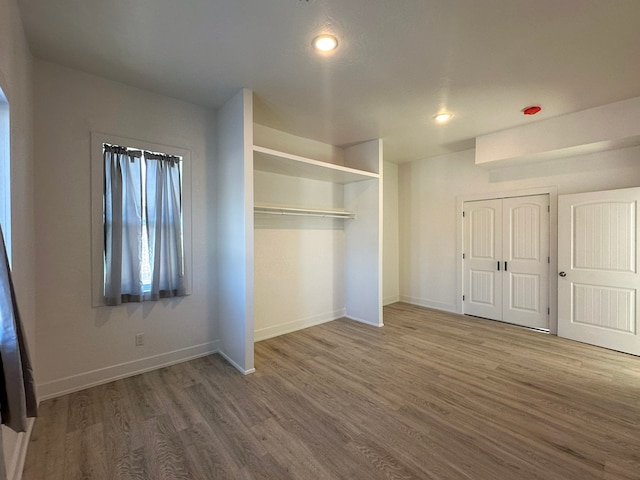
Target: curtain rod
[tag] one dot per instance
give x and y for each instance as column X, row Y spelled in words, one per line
column 134, row 152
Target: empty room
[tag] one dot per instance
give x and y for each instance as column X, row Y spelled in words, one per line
column 320, row 239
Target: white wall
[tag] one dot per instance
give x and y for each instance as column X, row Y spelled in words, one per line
column 79, row 345
column 299, row 261
column 363, row 238
column 232, row 209
column 391, row 240
column 607, row 127
column 427, row 197
column 16, row 82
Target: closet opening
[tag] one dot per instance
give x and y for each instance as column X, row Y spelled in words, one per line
column 506, row 258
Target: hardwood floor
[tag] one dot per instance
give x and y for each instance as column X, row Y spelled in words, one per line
column 429, row 396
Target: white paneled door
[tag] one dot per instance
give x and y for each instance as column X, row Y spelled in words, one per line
column 482, row 258
column 506, row 255
column 598, row 268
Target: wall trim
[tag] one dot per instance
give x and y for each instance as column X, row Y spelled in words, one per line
column 235, row 365
column 270, row 332
column 422, row 302
column 92, row 378
column 360, row 320
column 15, row 466
column 390, row 300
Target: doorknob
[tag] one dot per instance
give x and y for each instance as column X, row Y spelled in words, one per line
column 562, row 274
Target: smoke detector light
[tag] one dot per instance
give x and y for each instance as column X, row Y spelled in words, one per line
column 532, row 110
column 325, row 43
column 443, row 117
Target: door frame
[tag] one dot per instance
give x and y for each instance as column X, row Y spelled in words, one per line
column 552, row 191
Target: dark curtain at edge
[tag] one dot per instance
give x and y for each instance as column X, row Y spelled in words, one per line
column 17, row 385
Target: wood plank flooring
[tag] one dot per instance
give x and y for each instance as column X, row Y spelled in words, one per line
column 429, row 396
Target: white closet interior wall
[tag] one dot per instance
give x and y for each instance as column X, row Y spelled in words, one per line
column 301, row 263
column 299, row 266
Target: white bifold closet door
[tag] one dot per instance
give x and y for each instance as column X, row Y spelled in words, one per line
column 506, row 260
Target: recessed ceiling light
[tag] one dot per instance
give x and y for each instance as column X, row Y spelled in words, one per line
column 325, row 43
column 443, row 117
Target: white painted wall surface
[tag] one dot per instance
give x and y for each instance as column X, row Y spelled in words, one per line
column 607, row 127
column 391, row 240
column 363, row 237
column 16, row 82
column 79, row 345
column 427, row 198
column 285, row 142
column 232, row 208
column 299, row 261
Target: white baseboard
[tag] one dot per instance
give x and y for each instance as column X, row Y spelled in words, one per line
column 236, row 365
column 269, row 332
column 429, row 304
column 390, row 300
column 15, row 465
column 74, row 383
column 366, row 322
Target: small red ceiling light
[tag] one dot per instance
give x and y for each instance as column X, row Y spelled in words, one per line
column 532, row 110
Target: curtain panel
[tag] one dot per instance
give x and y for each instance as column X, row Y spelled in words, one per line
column 17, row 384
column 142, row 225
column 164, row 225
column 122, row 225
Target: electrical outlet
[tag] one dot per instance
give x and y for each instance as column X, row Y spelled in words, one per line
column 139, row 339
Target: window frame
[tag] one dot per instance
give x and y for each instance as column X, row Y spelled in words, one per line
column 5, row 171
column 97, row 203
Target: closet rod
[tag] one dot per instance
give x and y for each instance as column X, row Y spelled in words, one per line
column 307, row 214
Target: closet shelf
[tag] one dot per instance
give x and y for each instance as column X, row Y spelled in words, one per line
column 274, row 161
column 306, row 212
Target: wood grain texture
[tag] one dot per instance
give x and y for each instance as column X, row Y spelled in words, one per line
column 431, row 395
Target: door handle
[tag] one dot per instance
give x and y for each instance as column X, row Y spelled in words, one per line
column 562, row 274
column 498, row 266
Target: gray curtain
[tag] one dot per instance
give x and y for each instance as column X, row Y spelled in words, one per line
column 17, row 385
column 123, row 224
column 164, row 225
column 135, row 213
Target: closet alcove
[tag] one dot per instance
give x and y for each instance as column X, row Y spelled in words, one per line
column 298, row 229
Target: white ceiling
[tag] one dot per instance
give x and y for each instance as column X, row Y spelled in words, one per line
column 398, row 63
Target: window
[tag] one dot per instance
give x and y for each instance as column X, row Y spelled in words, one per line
column 140, row 221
